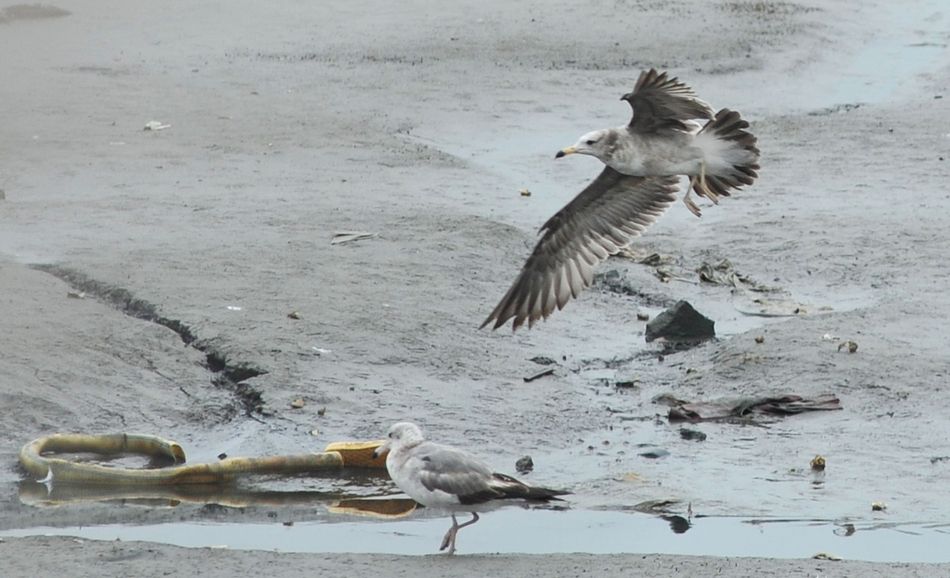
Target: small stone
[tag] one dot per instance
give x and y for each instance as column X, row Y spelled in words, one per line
column 297, row 403
column 293, row 315
column 851, row 346
column 222, row 456
column 643, row 316
column 760, row 339
column 878, row 506
column 692, row 435
column 655, row 453
column 826, row 556
column 322, row 411
column 817, row 463
column 524, row 465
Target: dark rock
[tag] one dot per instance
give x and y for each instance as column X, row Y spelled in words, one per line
column 681, row 324
column 542, row 360
column 692, row 434
column 655, row 453
column 524, row 465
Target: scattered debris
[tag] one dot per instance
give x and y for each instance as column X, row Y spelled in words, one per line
column 829, row 337
column 542, row 360
column 524, row 192
column 826, row 556
column 723, row 273
column 293, row 315
column 878, row 506
column 297, row 403
column 817, row 463
column 643, row 316
column 538, row 375
column 773, row 308
column 681, row 324
column 760, row 339
column 614, row 282
column 936, row 459
column 668, row 399
column 655, row 453
column 628, row 384
column 648, row 259
column 729, row 408
column 524, row 465
column 343, row 237
column 836, row 109
column 76, row 294
column 692, row 435
column 631, row 477
column 664, row 274
column 322, row 411
column 155, row 125
column 654, row 506
column 852, row 346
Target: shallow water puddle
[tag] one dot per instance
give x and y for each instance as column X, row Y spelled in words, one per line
column 911, row 42
column 538, row 532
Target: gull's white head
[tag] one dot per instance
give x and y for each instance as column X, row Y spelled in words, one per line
column 400, row 435
column 598, row 143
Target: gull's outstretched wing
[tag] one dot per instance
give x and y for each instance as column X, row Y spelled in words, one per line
column 598, row 222
column 660, row 102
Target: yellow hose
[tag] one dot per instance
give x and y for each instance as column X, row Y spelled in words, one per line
column 57, row 470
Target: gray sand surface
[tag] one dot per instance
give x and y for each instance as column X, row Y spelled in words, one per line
column 291, row 121
column 75, row 558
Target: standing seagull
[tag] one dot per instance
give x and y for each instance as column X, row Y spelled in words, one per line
column 644, row 161
column 439, row 476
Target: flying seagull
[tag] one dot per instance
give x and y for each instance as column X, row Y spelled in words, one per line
column 439, row 476
column 644, row 160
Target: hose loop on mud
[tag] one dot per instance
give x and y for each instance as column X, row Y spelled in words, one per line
column 57, row 470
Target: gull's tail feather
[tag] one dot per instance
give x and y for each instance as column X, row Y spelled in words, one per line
column 512, row 488
column 731, row 157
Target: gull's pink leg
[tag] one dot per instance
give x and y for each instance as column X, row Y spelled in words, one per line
column 459, row 527
column 449, row 537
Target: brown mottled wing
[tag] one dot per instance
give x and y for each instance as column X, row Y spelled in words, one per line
column 598, row 222
column 661, row 103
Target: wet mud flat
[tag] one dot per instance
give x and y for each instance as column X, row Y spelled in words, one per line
column 282, row 134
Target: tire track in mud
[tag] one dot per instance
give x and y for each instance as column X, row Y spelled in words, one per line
column 226, row 374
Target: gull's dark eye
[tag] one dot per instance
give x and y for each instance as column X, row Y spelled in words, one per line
column 390, row 435
column 591, row 141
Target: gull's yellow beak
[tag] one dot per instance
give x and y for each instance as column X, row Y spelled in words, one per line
column 565, row 152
